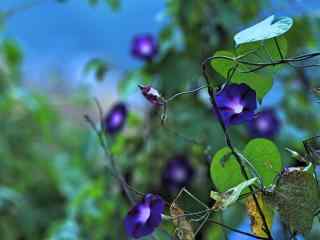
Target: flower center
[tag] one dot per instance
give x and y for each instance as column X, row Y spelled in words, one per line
column 144, row 213
column 116, row 119
column 146, row 48
column 237, row 108
column 179, row 174
column 263, row 124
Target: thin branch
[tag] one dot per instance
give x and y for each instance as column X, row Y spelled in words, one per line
column 236, row 230
column 211, row 93
column 278, row 47
column 114, row 169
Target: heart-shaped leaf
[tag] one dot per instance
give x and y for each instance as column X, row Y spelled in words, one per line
column 262, row 154
column 260, row 83
column 269, row 28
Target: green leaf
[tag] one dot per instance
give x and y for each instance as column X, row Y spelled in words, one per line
column 263, row 51
column 114, row 4
column 297, row 198
column 225, row 171
column 225, row 199
column 12, row 53
column 98, row 66
column 260, row 83
column 264, row 155
column 93, row 2
column 270, row 27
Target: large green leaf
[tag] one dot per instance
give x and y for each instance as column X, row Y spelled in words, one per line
column 263, row 51
column 260, row 83
column 225, row 171
column 264, row 155
column 296, row 196
column 268, row 28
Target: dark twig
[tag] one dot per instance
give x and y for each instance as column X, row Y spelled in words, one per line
column 236, row 230
column 278, row 47
column 114, row 169
column 211, row 93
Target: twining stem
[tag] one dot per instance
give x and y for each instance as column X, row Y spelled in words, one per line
column 114, row 169
column 211, row 93
column 261, row 65
column 186, row 92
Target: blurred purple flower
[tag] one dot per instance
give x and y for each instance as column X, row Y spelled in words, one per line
column 116, row 118
column 177, row 173
column 144, row 46
column 145, row 216
column 265, row 124
column 152, row 95
column 236, row 103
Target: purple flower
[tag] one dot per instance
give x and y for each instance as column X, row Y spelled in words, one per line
column 236, row 103
column 116, row 118
column 152, row 95
column 144, row 46
column 265, row 124
column 145, row 216
column 177, row 173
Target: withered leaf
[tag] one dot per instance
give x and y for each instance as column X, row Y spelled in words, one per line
column 257, row 225
column 296, row 197
column 183, row 226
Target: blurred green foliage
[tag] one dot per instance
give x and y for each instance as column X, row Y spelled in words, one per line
column 54, row 178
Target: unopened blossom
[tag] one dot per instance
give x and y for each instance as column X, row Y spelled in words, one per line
column 115, row 119
column 144, row 47
column 152, row 95
column 236, row 103
column 145, row 216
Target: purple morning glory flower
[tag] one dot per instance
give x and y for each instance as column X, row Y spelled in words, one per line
column 152, row 95
column 236, row 103
column 177, row 173
column 265, row 124
column 116, row 118
column 145, row 216
column 144, row 46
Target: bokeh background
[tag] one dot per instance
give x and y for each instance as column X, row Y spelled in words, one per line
column 53, row 178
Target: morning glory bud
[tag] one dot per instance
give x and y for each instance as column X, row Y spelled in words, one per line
column 152, row 95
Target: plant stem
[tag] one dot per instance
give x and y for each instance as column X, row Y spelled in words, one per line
column 211, row 93
column 114, row 169
column 236, row 230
